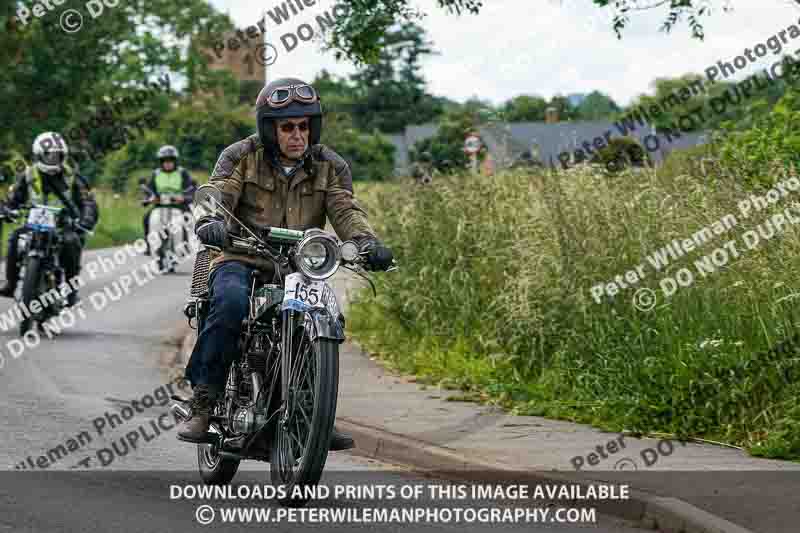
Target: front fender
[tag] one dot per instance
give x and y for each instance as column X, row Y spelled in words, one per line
column 322, row 325
column 326, row 322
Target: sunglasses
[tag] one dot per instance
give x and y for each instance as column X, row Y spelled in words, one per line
column 283, row 96
column 288, row 127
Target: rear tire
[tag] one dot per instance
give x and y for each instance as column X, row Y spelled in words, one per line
column 285, row 467
column 30, row 290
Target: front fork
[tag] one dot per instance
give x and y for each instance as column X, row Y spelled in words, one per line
column 287, row 338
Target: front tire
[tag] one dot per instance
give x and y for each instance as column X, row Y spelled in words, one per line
column 301, row 444
column 30, row 290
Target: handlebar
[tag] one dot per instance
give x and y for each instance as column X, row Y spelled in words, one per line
column 11, row 215
column 251, row 246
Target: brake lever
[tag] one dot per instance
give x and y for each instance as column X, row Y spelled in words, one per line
column 84, row 229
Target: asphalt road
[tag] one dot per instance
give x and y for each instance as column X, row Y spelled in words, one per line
column 79, row 455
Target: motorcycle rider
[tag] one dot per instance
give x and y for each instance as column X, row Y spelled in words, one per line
column 282, row 177
column 51, row 175
column 169, row 178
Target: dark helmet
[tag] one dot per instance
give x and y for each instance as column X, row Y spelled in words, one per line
column 167, row 152
column 287, row 98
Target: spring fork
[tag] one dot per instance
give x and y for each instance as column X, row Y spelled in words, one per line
column 286, row 368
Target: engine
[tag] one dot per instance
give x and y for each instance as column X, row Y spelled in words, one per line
column 247, row 420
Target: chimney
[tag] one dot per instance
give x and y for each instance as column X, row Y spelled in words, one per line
column 551, row 115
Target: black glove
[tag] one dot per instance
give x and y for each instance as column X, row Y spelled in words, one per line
column 84, row 225
column 212, row 232
column 379, row 256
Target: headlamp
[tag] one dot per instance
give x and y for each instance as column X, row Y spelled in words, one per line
column 318, row 255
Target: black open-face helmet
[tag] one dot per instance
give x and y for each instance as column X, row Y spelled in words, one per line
column 287, row 98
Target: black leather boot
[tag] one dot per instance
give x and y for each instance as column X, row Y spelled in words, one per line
column 195, row 429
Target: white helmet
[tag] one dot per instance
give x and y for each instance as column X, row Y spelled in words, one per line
column 50, row 152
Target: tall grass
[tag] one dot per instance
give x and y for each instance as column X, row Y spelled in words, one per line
column 493, row 298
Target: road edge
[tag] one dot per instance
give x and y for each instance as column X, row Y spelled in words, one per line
column 665, row 514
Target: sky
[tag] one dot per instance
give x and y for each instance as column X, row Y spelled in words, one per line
column 544, row 47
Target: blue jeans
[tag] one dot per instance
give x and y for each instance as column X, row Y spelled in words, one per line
column 217, row 344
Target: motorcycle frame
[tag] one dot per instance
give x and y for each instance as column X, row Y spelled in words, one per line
column 320, row 323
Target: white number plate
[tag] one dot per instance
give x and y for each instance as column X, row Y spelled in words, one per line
column 299, row 292
column 42, row 217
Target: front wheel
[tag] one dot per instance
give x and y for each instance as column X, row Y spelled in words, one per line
column 30, row 290
column 303, row 434
column 164, row 259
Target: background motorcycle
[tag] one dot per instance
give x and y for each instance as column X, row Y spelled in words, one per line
column 169, row 216
column 280, row 398
column 38, row 255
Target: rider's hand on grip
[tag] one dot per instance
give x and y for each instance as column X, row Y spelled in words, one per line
column 378, row 255
column 212, row 232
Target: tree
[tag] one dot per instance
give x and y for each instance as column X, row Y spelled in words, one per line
column 565, row 109
column 597, row 106
column 446, row 147
column 524, row 108
column 676, row 11
column 55, row 79
column 674, row 98
column 760, row 154
column 390, row 93
column 370, row 155
column 356, row 35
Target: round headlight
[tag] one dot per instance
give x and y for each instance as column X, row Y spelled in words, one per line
column 314, row 255
column 349, row 251
column 318, row 256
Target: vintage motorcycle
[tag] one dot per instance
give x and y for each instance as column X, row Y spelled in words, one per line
column 280, row 399
column 39, row 250
column 169, row 218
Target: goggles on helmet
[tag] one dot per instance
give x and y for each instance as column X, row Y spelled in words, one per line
column 282, row 96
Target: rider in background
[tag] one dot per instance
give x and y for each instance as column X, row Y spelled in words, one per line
column 169, row 178
column 51, row 178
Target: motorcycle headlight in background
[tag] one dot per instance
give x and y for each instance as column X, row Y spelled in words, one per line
column 318, row 255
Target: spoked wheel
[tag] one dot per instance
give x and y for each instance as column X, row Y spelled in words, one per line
column 304, row 426
column 215, row 469
column 166, row 250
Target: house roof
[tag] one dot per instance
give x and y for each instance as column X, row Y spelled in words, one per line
column 506, row 141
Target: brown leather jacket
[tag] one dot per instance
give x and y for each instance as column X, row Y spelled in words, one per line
column 260, row 195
